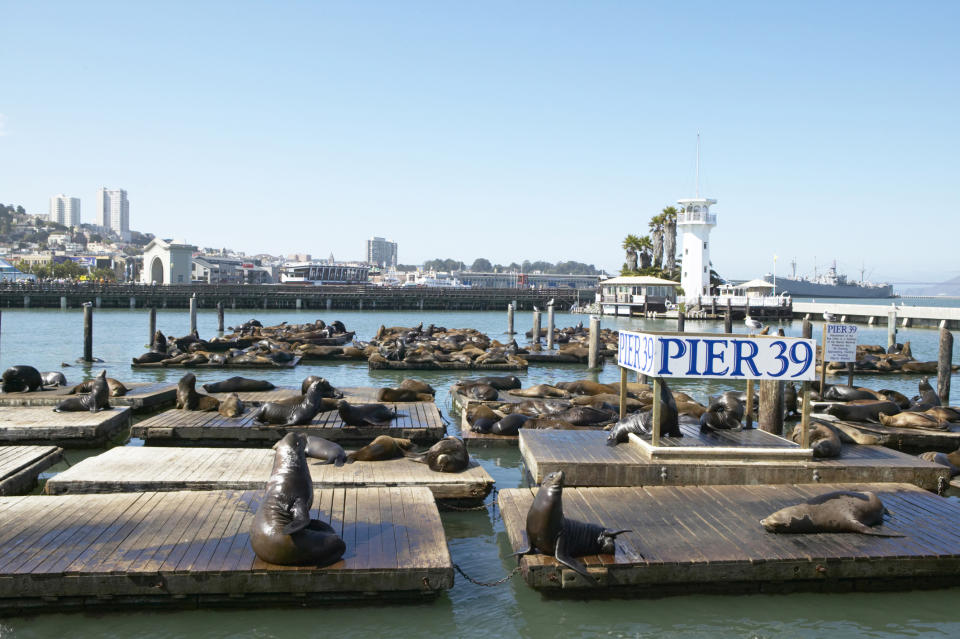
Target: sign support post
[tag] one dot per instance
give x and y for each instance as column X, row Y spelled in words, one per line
column 623, row 392
column 748, row 416
column 655, row 437
column 823, row 359
column 805, row 419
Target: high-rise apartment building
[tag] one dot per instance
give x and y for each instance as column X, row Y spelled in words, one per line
column 113, row 211
column 65, row 210
column 381, row 252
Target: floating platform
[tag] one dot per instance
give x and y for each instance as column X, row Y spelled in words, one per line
column 420, row 421
column 483, row 440
column 586, row 460
column 146, row 468
column 192, row 549
column 143, row 397
column 461, row 402
column 911, row 440
column 41, row 425
column 554, row 357
column 353, row 394
column 691, row 539
column 443, row 366
column 291, row 364
column 21, row 465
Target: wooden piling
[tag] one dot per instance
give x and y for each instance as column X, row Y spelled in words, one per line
column 728, row 319
column 770, row 410
column 680, row 321
column 536, row 326
column 891, row 328
column 944, row 366
column 623, row 392
column 509, row 319
column 550, row 327
column 807, row 329
column 646, row 312
column 713, row 306
column 193, row 314
column 655, row 436
column 153, row 324
column 850, row 374
column 220, row 317
column 805, row 420
column 594, row 343
column 87, row 332
column 748, row 413
column 823, row 360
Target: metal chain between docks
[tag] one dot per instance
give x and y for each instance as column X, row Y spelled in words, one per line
column 942, row 484
column 483, row 506
column 487, row 584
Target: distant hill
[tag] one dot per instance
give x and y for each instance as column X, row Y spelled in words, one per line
column 949, row 288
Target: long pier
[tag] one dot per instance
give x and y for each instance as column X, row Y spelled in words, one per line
column 283, row 296
column 880, row 315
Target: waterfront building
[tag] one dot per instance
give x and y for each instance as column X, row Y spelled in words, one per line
column 167, row 262
column 113, row 211
column 695, row 222
column 526, row 280
column 64, row 210
column 324, row 273
column 9, row 272
column 381, row 252
column 627, row 294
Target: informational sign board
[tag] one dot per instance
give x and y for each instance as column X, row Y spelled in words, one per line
column 715, row 356
column 840, row 343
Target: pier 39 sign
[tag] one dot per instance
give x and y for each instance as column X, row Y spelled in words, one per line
column 717, row 356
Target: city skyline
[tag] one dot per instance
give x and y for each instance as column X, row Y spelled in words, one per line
column 471, row 131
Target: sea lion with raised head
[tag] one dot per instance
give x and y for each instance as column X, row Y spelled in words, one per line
column 96, row 400
column 381, row 448
column 189, row 399
column 53, row 378
column 21, row 379
column 238, row 385
column 551, row 533
column 325, row 450
column 116, row 388
column 642, row 423
column 841, row 511
column 365, row 414
column 282, row 531
column 232, row 406
column 299, row 414
column 449, row 455
column 325, row 388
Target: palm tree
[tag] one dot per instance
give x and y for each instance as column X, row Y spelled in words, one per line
column 631, row 244
column 669, row 216
column 645, row 247
column 656, row 234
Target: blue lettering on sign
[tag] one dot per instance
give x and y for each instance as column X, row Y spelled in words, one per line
column 784, row 362
column 665, row 356
column 693, row 357
column 807, row 357
column 739, row 358
column 712, row 356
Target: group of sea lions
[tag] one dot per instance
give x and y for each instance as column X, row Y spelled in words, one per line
column 898, row 358
column 573, row 344
column 92, row 395
column 890, row 408
column 432, row 345
column 27, row 379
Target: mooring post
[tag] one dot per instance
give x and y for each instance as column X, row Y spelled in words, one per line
column 299, row 303
column 805, row 419
column 891, row 328
column 594, row 343
column 850, row 374
column 945, row 366
column 655, row 436
column 748, row 413
column 63, row 302
column 220, row 317
column 153, row 324
column 329, row 303
column 770, row 410
column 823, row 359
column 133, row 302
column 646, row 311
column 807, row 328
column 623, row 392
column 681, row 318
column 713, row 306
column 509, row 319
column 193, row 313
column 549, row 327
column 536, row 326
column 728, row 320
column 87, row 332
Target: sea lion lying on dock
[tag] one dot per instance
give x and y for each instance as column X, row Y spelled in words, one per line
column 841, row 511
column 824, row 441
column 239, row 385
column 21, row 379
column 508, row 425
column 950, row 460
column 724, row 413
column 282, row 531
column 365, row 414
column 479, row 391
column 96, row 400
column 551, row 533
column 417, row 386
column 53, row 378
column 232, row 406
column 449, row 455
column 867, row 412
column 325, row 450
column 585, row 387
column 381, row 448
column 503, row 382
column 116, row 388
column 540, row 390
column 299, row 414
column 189, row 399
column 402, row 395
column 913, row 420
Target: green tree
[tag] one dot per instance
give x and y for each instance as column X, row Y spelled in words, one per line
column 481, row 265
column 632, row 245
column 656, row 239
column 669, row 216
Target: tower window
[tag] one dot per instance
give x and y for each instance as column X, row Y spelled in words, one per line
column 704, row 246
column 686, row 251
column 704, row 269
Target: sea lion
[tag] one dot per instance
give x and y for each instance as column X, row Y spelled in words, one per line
column 98, row 398
column 841, row 511
column 282, row 531
column 479, row 391
column 117, row 389
column 449, row 455
column 549, row 532
column 506, row 382
column 899, row 399
column 823, row 440
column 550, row 423
column 365, row 414
column 238, row 385
column 950, row 460
column 724, row 413
column 325, row 388
column 642, row 423
column 912, row 420
column 402, row 395
column 944, row 413
column 790, row 400
column 417, row 386
column 585, row 387
column 483, row 424
column 53, row 378
column 159, row 343
column 509, row 424
column 477, row 411
column 189, row 399
column 540, row 390
column 299, row 414
column 862, row 412
column 382, row 448
column 924, row 384
column 843, row 393
column 151, row 357
column 327, row 451
column 231, row 406
column 585, row 415
column 21, row 379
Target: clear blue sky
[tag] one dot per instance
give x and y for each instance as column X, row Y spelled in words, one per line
column 506, row 130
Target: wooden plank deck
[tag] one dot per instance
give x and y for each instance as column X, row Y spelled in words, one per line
column 41, row 425
column 145, row 468
column 21, row 465
column 143, row 397
column 353, row 394
column 693, row 539
column 291, row 364
column 192, row 549
column 420, row 421
column 461, row 401
column 587, row 461
column 443, row 366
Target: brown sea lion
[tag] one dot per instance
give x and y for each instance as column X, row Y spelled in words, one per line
column 282, row 531
column 950, row 460
column 585, row 387
column 417, row 386
column 901, row 400
column 540, row 390
column 238, row 385
column 365, row 414
column 189, row 399
column 912, row 420
column 231, row 406
column 478, row 411
column 381, row 448
column 402, row 395
column 548, row 423
column 479, row 391
column 869, row 412
column 449, row 455
column 836, row 512
column 823, row 440
column 94, row 401
column 608, row 398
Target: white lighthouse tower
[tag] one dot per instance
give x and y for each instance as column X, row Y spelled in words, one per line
column 695, row 222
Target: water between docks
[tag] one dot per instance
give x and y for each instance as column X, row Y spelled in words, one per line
column 477, row 541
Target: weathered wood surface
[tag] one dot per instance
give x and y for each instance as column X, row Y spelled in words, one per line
column 353, row 394
column 912, row 440
column 553, row 357
column 21, row 465
column 193, row 549
column 208, row 366
column 419, row 421
column 443, row 366
column 461, row 401
column 750, row 438
column 587, row 461
column 41, row 425
column 143, row 396
column 145, row 468
column 691, row 539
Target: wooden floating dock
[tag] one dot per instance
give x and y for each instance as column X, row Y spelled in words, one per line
column 483, row 440
column 208, row 366
column 420, row 421
column 21, row 465
column 911, row 440
column 461, row 402
column 586, row 460
column 554, row 357
column 192, row 549
column 442, row 366
column 353, row 394
column 41, row 425
column 143, row 397
column 708, row 539
column 145, row 468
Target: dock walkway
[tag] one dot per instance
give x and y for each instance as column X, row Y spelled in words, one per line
column 192, row 549
column 685, row 540
column 145, row 468
column 41, row 425
column 143, row 397
column 21, row 465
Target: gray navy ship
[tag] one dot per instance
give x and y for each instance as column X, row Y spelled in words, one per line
column 829, row 284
